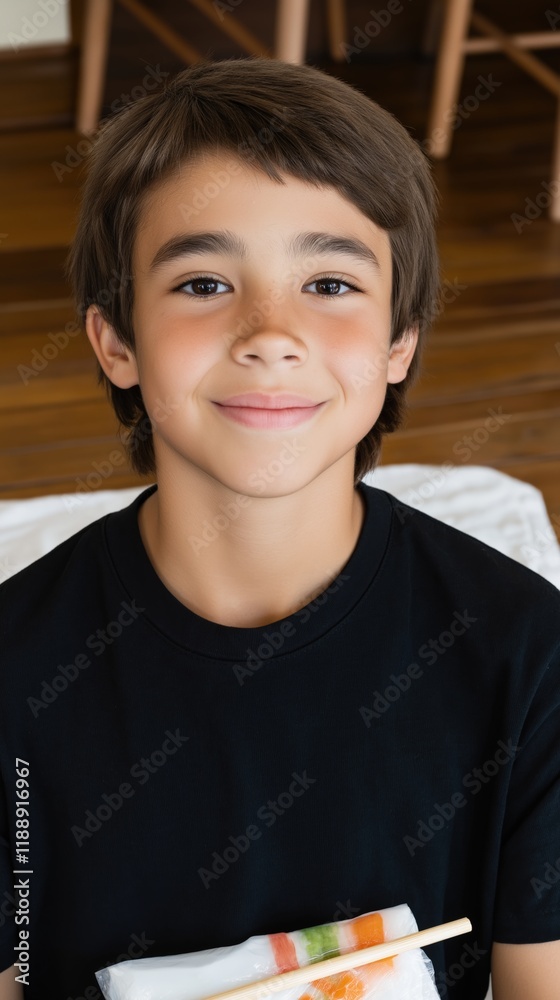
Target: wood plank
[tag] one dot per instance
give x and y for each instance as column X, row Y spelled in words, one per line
column 38, row 88
column 520, row 437
column 468, row 370
column 27, row 356
column 471, row 412
column 47, row 485
column 72, row 461
column 41, row 208
column 37, row 318
column 37, row 276
column 62, row 425
column 74, row 385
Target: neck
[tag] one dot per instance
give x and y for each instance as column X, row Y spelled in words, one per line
column 247, row 561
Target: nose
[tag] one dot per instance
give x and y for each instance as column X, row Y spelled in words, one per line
column 262, row 338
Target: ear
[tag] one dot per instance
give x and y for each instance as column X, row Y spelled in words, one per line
column 401, row 354
column 117, row 360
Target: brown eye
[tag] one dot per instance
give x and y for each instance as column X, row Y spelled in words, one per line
column 329, row 287
column 204, row 286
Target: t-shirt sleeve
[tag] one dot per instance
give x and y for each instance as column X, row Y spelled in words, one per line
column 7, row 895
column 528, row 892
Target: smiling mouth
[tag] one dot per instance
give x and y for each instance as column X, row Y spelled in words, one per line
column 269, row 418
column 262, row 400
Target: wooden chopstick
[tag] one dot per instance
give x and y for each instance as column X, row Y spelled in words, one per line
column 341, row 963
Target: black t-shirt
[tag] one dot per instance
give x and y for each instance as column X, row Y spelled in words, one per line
column 189, row 784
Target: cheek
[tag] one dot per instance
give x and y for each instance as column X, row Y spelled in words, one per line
column 363, row 365
column 178, row 352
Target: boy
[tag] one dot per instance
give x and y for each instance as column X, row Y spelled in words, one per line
column 264, row 695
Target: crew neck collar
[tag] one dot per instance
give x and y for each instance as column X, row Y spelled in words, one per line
column 212, row 640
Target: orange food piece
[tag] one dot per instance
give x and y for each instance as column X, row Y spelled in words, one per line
column 342, row 986
column 368, row 930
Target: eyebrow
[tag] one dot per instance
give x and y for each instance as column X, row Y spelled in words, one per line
column 227, row 243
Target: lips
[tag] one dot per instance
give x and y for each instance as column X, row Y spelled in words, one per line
column 269, row 412
column 261, row 401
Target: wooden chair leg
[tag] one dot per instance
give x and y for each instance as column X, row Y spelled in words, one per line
column 432, row 28
column 449, row 70
column 93, row 64
column 554, row 210
column 336, row 23
column 291, row 30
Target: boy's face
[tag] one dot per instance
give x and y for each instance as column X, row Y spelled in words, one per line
column 258, row 322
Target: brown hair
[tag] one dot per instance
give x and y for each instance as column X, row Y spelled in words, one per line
column 278, row 117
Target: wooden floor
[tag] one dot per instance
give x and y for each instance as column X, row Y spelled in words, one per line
column 494, row 349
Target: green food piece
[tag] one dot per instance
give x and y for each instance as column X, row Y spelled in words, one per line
column 320, row 942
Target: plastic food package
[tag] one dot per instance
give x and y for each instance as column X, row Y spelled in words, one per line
column 200, row 974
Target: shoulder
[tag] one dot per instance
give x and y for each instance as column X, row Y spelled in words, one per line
column 462, row 558
column 37, row 591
